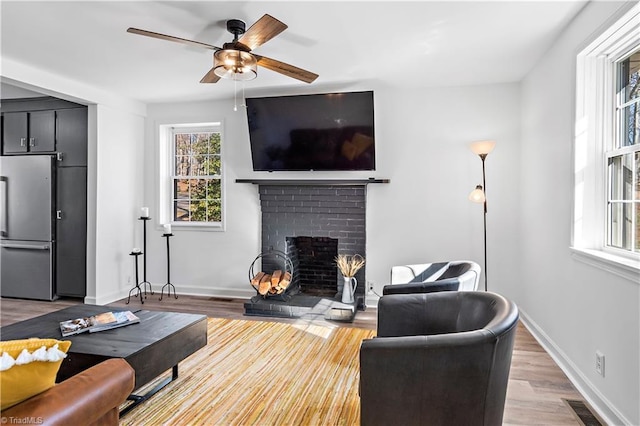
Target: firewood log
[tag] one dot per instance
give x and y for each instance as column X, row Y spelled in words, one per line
column 265, row 284
column 255, row 281
column 285, row 281
column 275, row 277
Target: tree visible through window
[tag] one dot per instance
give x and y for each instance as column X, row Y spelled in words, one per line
column 623, row 159
column 197, row 186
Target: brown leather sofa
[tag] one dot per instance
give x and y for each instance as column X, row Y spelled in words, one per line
column 88, row 398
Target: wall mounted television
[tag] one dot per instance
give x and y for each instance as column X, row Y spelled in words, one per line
column 331, row 131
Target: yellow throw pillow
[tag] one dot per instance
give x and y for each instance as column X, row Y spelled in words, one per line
column 24, row 380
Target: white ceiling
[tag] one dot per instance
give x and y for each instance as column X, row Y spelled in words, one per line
column 412, row 44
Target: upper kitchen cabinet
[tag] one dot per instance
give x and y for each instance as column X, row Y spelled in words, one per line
column 45, row 125
column 25, row 132
column 71, row 136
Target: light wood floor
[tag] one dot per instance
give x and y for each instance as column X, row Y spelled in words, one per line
column 537, row 386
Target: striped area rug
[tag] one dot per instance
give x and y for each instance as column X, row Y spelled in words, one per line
column 263, row 373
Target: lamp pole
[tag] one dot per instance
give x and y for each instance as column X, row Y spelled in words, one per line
column 484, row 188
column 479, row 195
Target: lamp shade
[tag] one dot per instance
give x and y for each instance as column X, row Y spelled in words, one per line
column 234, row 64
column 482, row 147
column 477, row 195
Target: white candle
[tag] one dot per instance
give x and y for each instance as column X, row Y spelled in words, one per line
column 136, row 250
column 167, row 228
column 145, row 212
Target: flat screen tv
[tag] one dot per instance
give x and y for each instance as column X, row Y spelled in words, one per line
column 332, row 131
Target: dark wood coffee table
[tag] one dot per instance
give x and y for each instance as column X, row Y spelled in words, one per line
column 158, row 343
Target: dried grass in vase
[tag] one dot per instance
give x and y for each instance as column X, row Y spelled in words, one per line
column 349, row 265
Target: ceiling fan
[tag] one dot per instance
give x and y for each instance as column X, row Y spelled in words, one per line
column 235, row 60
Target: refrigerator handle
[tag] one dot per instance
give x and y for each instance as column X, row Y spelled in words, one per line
column 25, row 246
column 4, row 184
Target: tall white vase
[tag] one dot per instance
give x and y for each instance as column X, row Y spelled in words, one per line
column 349, row 289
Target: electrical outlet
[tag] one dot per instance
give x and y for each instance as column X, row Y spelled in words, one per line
column 129, row 279
column 600, row 363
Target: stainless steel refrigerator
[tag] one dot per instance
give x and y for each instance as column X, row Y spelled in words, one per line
column 27, row 223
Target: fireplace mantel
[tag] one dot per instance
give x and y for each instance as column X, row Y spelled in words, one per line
column 313, row 182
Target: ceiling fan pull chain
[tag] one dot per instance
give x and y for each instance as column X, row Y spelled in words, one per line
column 235, row 94
column 244, row 100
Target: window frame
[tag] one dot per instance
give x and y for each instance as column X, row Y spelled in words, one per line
column 616, row 149
column 595, row 127
column 167, row 175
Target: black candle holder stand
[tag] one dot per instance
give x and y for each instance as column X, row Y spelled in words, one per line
column 137, row 287
column 144, row 282
column 168, row 284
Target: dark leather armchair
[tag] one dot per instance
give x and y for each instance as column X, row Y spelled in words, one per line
column 458, row 275
column 438, row 359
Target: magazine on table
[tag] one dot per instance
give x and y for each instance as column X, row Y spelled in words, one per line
column 80, row 325
column 98, row 322
column 122, row 318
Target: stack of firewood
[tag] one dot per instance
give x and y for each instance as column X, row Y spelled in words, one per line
column 275, row 283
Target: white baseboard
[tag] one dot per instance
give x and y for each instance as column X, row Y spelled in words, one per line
column 225, row 293
column 372, row 301
column 103, row 300
column 599, row 402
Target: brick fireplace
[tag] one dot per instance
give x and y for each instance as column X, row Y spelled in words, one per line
column 320, row 211
column 312, row 221
column 297, row 215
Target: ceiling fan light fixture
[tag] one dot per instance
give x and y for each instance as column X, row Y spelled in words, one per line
column 235, row 64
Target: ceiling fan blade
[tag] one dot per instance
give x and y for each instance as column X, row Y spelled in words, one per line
column 171, row 38
column 263, row 30
column 210, row 77
column 286, row 69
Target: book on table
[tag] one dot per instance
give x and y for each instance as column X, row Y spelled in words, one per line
column 98, row 322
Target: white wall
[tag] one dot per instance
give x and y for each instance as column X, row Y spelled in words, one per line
column 119, row 176
column 574, row 308
column 422, row 139
column 424, row 214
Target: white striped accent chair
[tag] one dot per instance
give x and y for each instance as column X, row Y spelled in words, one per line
column 457, row 275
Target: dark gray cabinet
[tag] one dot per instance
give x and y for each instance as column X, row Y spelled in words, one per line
column 14, row 132
column 71, row 136
column 71, row 231
column 25, row 132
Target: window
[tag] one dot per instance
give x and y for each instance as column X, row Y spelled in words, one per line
column 191, row 190
column 623, row 159
column 606, row 221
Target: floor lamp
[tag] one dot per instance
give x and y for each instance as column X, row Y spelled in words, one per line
column 479, row 195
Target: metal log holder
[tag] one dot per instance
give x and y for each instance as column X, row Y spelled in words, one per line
column 168, row 284
column 137, row 287
column 144, row 282
column 273, row 257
